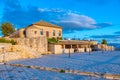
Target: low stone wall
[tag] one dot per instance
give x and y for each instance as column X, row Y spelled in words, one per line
column 81, row 49
column 72, row 50
column 112, row 76
column 76, row 72
column 106, row 47
column 8, row 56
column 68, row 50
column 88, row 49
column 18, row 52
column 7, row 47
column 26, row 52
column 39, row 44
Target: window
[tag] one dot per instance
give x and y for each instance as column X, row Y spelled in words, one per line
column 41, row 32
column 59, row 34
column 24, row 32
column 53, row 33
column 35, row 32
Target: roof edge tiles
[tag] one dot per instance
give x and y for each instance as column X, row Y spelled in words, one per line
column 46, row 24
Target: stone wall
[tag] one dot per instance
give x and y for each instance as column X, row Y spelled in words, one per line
column 81, row 49
column 15, row 52
column 58, row 49
column 7, row 47
column 22, row 33
column 39, row 44
column 51, row 48
column 55, row 49
column 105, row 47
column 68, row 50
column 88, row 49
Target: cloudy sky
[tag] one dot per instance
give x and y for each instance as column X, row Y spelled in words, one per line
column 84, row 19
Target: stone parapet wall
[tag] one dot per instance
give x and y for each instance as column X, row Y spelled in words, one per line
column 81, row 49
column 106, row 47
column 7, row 47
column 18, row 52
column 39, row 44
column 8, row 56
column 88, row 49
column 26, row 52
column 68, row 50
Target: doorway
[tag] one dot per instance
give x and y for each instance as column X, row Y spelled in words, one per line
column 47, row 33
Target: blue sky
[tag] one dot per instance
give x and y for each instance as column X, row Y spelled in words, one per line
column 91, row 19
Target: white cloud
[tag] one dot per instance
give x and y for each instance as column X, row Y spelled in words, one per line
column 75, row 22
column 41, row 9
column 50, row 10
column 65, row 18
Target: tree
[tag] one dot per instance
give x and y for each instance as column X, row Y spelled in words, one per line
column 59, row 38
column 52, row 40
column 7, row 29
column 104, row 41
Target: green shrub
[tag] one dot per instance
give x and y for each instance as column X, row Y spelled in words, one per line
column 28, row 66
column 104, row 41
column 12, row 42
column 59, row 38
column 62, row 71
column 3, row 40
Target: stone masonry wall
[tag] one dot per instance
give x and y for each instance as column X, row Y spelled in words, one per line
column 15, row 52
column 7, row 47
column 39, row 44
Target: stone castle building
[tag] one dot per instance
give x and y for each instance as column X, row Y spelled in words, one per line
column 35, row 35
